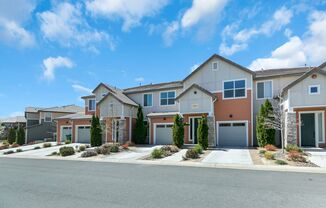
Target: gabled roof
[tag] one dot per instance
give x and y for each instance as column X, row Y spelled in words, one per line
column 197, row 87
column 80, row 115
column 59, row 109
column 15, row 119
column 305, row 75
column 152, row 87
column 268, row 73
column 118, row 94
column 222, row 58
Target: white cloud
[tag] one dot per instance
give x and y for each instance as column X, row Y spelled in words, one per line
column 239, row 40
column 202, row 11
column 131, row 12
column 310, row 49
column 52, row 63
column 13, row 15
column 65, row 24
column 81, row 89
column 139, row 79
column 169, row 33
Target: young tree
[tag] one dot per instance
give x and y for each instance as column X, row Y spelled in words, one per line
column 11, row 136
column 264, row 135
column 20, row 136
column 178, row 131
column 140, row 128
column 202, row 132
column 96, row 132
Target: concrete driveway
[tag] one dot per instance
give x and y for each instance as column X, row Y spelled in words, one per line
column 318, row 157
column 27, row 147
column 229, row 156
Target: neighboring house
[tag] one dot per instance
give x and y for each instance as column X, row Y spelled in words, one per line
column 40, row 122
column 229, row 95
column 13, row 122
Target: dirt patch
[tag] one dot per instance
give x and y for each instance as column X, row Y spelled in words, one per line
column 255, row 157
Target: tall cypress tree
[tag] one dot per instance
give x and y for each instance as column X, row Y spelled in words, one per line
column 178, row 131
column 96, row 132
column 139, row 136
column 11, row 136
column 202, row 132
column 264, row 135
column 20, row 136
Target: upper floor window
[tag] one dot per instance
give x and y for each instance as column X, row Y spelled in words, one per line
column 47, row 117
column 264, row 90
column 215, row 66
column 91, row 105
column 167, row 98
column 314, row 89
column 234, row 89
column 148, row 100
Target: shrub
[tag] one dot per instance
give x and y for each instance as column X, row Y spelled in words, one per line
column 15, row 145
column 82, row 148
column 157, row 153
column 66, row 151
column 54, row 153
column 37, row 147
column 264, row 135
column 293, row 147
column 270, row 147
column 296, row 157
column 4, row 146
column 8, row 152
column 20, row 139
column 96, row 132
column 269, row 156
column 130, row 143
column 19, row 150
column 178, row 131
column 11, row 135
column 198, row 148
column 89, row 153
column 192, row 154
column 170, row 148
column 202, row 132
column 114, row 148
column 262, row 152
column 281, row 162
column 5, row 142
column 47, row 145
column 98, row 150
column 139, row 135
column 67, row 141
column 105, row 149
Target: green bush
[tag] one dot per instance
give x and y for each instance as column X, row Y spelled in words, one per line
column 5, row 142
column 269, row 155
column 202, row 133
column 19, row 150
column 293, row 147
column 37, row 147
column 20, row 136
column 262, row 152
column 82, row 148
column 281, row 162
column 47, row 145
column 66, row 151
column 54, row 153
column 11, row 136
column 191, row 154
column 157, row 153
column 139, row 135
column 67, row 141
column 114, row 148
column 89, row 153
column 265, row 135
column 178, row 131
column 170, row 148
column 198, row 148
column 8, row 152
column 96, row 132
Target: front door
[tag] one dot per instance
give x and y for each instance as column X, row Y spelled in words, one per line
column 194, row 121
column 308, row 133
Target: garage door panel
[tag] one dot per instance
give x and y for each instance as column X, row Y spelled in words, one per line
column 83, row 134
column 163, row 134
column 232, row 134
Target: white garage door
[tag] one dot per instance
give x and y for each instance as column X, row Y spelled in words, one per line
column 84, row 134
column 163, row 134
column 232, row 134
column 65, row 133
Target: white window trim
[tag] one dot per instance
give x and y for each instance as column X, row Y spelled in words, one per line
column 233, row 98
column 317, row 142
column 218, row 67
column 45, row 116
column 264, row 91
column 311, row 86
column 175, row 95
column 143, row 101
column 88, row 105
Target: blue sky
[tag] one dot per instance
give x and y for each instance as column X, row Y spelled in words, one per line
column 53, row 52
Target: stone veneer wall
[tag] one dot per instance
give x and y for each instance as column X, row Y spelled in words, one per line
column 291, row 128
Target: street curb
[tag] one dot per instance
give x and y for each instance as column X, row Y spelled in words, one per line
column 186, row 164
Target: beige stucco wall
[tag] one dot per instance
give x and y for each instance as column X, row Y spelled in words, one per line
column 196, row 103
column 111, row 107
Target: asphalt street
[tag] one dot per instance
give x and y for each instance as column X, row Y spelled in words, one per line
column 31, row 183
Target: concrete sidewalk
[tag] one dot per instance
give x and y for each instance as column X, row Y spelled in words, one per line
column 27, row 147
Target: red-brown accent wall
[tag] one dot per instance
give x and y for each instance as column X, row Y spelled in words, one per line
column 72, row 123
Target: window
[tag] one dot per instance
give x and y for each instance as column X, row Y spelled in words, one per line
column 264, row 90
column 148, row 100
column 215, row 66
column 234, row 89
column 47, row 117
column 167, row 98
column 91, row 105
column 314, row 89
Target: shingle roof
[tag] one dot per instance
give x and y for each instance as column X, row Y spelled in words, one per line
column 118, row 94
column 16, row 119
column 281, row 72
column 152, row 87
column 162, row 114
column 32, row 109
column 199, row 88
column 63, row 109
column 80, row 115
